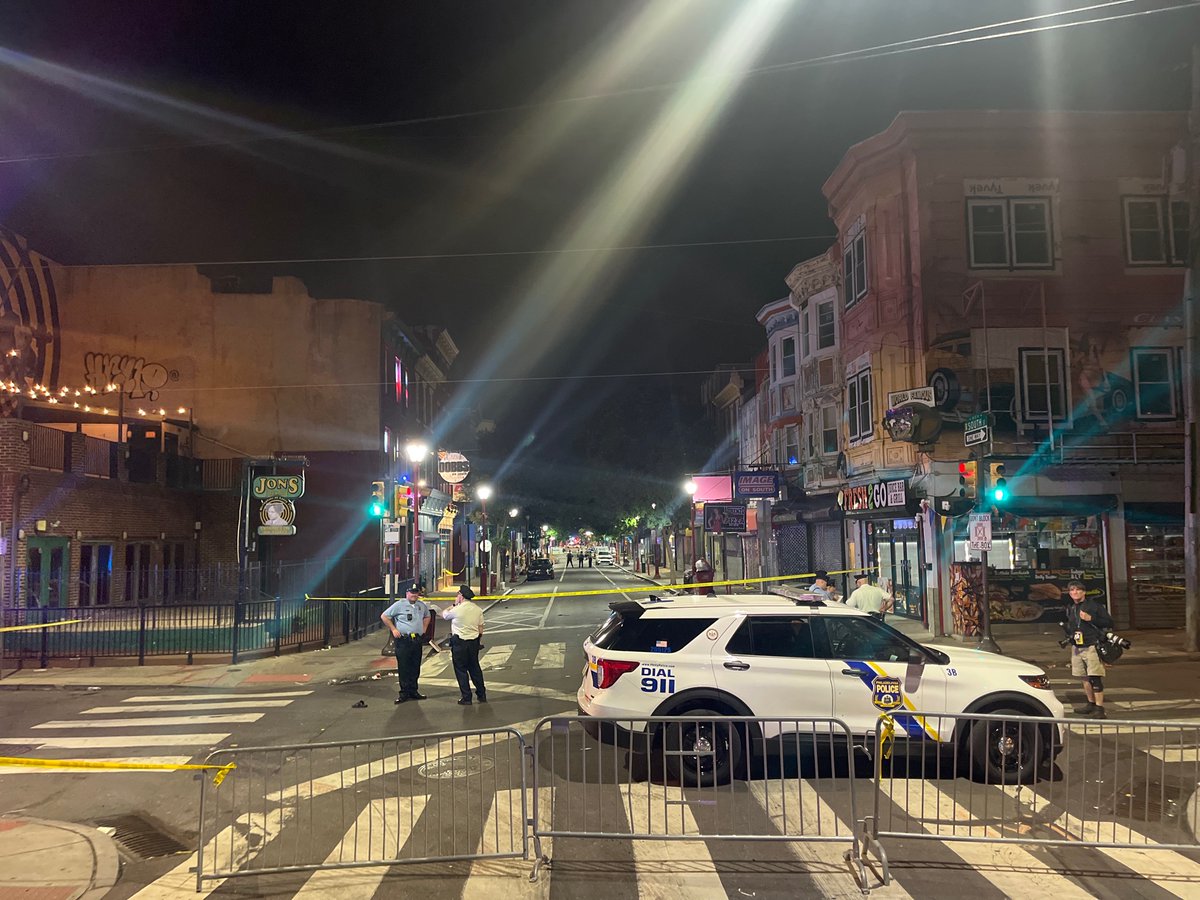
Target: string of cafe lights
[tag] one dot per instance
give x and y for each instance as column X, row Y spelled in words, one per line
column 80, row 398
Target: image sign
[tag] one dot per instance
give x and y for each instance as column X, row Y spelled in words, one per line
column 453, row 467
column 278, row 517
column 288, row 487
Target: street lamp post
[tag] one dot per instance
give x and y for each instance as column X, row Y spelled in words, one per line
column 689, row 488
column 484, row 493
column 512, row 543
column 654, row 541
column 416, row 451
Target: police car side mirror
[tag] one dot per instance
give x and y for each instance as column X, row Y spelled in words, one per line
column 916, row 658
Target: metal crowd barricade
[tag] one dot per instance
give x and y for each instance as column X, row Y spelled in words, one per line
column 1034, row 780
column 681, row 778
column 304, row 807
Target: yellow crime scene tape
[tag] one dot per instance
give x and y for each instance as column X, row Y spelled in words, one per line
column 45, row 625
column 887, row 736
column 24, row 762
column 650, row 588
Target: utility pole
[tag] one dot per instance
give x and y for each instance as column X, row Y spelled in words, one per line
column 1191, row 355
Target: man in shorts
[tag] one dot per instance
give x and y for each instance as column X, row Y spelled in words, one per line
column 1087, row 622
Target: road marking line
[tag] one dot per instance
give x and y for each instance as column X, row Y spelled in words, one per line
column 127, row 740
column 529, row 690
column 229, row 850
column 641, row 805
column 151, row 722
column 1143, row 862
column 135, row 760
column 497, row 656
column 551, row 656
column 549, row 604
column 1009, row 867
column 188, row 698
column 175, row 707
column 375, row 834
column 783, row 802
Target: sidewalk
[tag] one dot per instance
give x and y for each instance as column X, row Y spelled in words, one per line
column 55, row 860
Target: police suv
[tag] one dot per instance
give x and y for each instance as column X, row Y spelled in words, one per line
column 770, row 656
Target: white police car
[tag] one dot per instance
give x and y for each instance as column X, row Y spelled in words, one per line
column 770, row 656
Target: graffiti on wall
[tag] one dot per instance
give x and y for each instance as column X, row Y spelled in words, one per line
column 133, row 376
column 1099, row 364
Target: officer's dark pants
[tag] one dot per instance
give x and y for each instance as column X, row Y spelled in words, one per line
column 465, row 655
column 408, row 663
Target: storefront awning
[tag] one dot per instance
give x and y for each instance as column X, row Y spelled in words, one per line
column 1154, row 513
column 1033, row 507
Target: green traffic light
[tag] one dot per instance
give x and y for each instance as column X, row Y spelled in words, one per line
column 376, row 509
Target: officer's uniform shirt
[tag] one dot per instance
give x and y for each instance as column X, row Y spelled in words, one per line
column 466, row 620
column 408, row 616
column 867, row 597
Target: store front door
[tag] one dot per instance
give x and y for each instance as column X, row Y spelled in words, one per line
column 897, row 550
column 46, row 564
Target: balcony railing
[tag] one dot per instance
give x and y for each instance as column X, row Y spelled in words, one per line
column 1125, row 447
column 99, row 457
column 48, row 448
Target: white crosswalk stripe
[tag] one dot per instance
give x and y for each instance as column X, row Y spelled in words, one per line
column 496, row 656
column 140, row 726
column 551, row 655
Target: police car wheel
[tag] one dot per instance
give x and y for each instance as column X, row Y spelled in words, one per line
column 1004, row 752
column 699, row 753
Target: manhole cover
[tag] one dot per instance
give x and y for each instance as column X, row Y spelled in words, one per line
column 456, row 767
column 141, row 838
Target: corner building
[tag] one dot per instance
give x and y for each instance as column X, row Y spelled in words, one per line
column 1023, row 270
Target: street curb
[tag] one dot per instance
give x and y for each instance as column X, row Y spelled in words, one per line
column 106, row 859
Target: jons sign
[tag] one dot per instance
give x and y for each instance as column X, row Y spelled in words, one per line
column 288, row 487
column 881, row 495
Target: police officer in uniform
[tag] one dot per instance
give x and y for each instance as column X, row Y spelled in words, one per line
column 408, row 620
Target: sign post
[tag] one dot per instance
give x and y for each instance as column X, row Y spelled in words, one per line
column 979, row 535
column 977, row 430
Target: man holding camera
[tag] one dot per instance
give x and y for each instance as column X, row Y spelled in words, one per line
column 1087, row 622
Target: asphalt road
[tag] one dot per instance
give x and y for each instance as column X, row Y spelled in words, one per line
column 532, row 663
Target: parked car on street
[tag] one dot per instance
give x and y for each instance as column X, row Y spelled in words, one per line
column 539, row 567
column 766, row 656
column 604, row 556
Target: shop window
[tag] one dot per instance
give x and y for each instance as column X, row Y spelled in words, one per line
column 829, row 429
column 788, row 352
column 137, row 572
column 826, row 330
column 1010, row 233
column 1154, row 382
column 95, row 574
column 854, row 269
column 858, row 407
column 1041, row 380
column 1156, row 231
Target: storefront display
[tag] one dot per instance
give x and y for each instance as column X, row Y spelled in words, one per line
column 1156, row 580
column 1030, row 563
column 893, row 550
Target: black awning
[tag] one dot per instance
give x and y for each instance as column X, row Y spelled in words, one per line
column 1035, row 507
column 1153, row 513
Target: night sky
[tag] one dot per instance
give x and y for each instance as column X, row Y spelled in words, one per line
column 484, row 167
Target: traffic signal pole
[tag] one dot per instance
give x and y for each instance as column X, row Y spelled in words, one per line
column 986, row 640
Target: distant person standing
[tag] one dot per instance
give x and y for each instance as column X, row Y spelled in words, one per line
column 822, row 586
column 408, row 620
column 569, row 555
column 869, row 597
column 466, row 639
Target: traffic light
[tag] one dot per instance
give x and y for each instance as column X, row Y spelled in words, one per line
column 404, row 496
column 998, row 491
column 968, row 473
column 378, row 505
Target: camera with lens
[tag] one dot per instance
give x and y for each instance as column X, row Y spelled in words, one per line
column 1066, row 641
column 1123, row 643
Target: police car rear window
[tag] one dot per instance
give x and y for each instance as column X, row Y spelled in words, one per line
column 648, row 634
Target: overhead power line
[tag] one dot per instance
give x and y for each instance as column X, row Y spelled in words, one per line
column 942, row 40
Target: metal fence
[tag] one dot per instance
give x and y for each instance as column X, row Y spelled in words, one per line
column 990, row 779
column 681, row 778
column 196, row 629
column 304, row 807
column 1017, row 779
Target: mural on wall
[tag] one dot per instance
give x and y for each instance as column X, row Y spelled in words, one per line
column 28, row 318
column 1097, row 391
column 133, row 376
